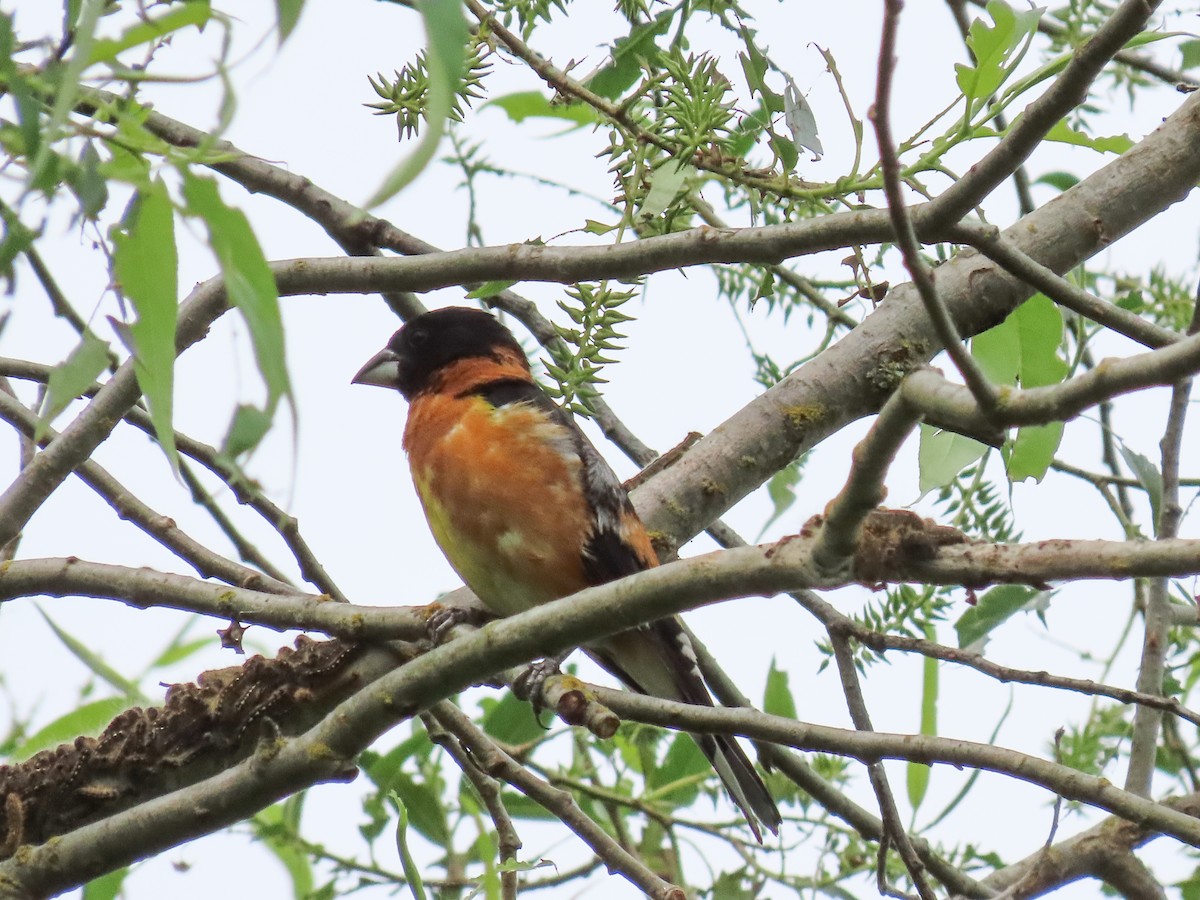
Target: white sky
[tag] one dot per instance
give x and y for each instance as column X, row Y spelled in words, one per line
column 301, row 108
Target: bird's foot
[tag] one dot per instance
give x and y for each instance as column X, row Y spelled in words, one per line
column 531, row 682
column 440, row 620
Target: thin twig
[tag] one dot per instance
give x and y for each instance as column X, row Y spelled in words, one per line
column 1109, row 454
column 58, row 300
column 246, row 550
column 508, row 843
column 560, row 804
column 26, row 449
column 144, row 588
column 906, row 236
column 893, row 826
column 1143, row 749
column 1067, row 468
column 25, row 495
column 994, row 246
column 244, row 490
column 163, row 529
column 831, row 618
column 834, row 313
column 619, row 113
column 876, row 745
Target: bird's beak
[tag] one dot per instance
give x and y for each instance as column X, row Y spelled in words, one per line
column 382, row 370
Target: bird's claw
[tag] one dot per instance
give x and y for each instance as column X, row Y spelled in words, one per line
column 442, row 619
column 532, row 680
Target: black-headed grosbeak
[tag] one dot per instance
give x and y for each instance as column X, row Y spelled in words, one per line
column 527, row 511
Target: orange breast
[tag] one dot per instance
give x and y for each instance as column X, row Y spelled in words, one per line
column 502, row 489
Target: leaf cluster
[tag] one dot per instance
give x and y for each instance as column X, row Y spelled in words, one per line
column 575, row 364
column 406, row 95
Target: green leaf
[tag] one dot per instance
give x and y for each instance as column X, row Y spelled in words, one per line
column 992, row 610
column 777, row 696
column 1039, row 326
column 17, row 239
column 786, row 150
column 591, row 226
column 67, row 81
column 248, row 281
column 998, row 352
column 273, row 827
column 71, row 378
column 146, row 31
column 1065, row 134
column 510, row 720
column 1033, row 450
column 412, row 872
column 485, row 851
column 665, row 184
column 382, row 769
column 741, row 885
column 918, row 773
column 446, row 31
column 127, row 166
column 146, row 265
column 180, row 651
column 683, row 769
column 70, row 14
column 755, row 66
column 490, row 289
column 970, row 783
column 287, row 14
column 422, row 808
column 247, row 428
column 535, row 105
column 1189, row 54
column 627, row 56
column 1153, row 37
column 106, row 887
column 94, row 662
column 18, row 87
column 997, row 49
column 89, row 719
column 88, row 183
column 942, row 455
column 521, row 807
column 1024, row 349
column 1061, row 180
column 782, row 491
column 1148, row 477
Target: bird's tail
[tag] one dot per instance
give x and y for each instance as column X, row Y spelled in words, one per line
column 658, row 660
column 742, row 781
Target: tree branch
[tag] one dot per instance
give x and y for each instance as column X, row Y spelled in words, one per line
column 144, row 588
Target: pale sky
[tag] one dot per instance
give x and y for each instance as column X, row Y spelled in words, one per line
column 301, row 109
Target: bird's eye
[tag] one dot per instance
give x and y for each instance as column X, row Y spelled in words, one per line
column 418, row 338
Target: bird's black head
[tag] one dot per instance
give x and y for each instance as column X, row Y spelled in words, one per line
column 432, row 341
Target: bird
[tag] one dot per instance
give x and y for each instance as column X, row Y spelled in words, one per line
column 527, row 511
